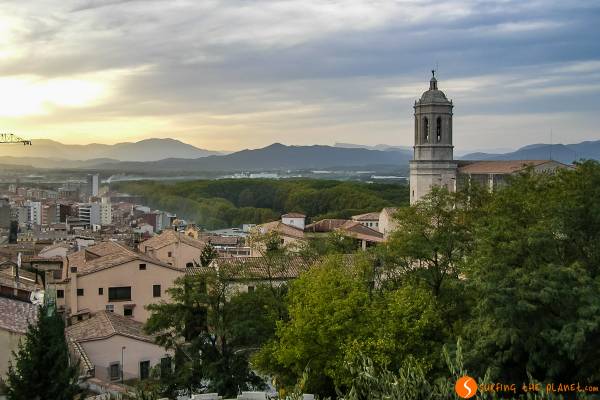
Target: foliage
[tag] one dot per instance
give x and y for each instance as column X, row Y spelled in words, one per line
column 208, row 254
column 534, row 269
column 334, row 313
column 223, row 203
column 211, row 331
column 41, row 368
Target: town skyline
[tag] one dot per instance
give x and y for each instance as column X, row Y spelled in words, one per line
column 229, row 76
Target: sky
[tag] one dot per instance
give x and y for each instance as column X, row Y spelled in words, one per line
column 235, row 74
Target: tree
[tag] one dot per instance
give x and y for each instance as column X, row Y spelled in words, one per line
column 41, row 368
column 208, row 254
column 334, row 314
column 197, row 327
column 534, row 272
column 432, row 239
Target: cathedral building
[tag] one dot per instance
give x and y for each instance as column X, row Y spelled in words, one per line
column 433, row 162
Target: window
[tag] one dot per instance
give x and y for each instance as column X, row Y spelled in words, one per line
column 426, row 129
column 110, row 308
column 79, row 292
column 165, row 365
column 156, row 290
column 60, row 294
column 169, row 254
column 144, row 370
column 57, row 274
column 119, row 293
column 142, row 267
column 438, row 129
column 115, row 371
column 128, row 311
column 250, row 289
column 100, row 291
column 189, row 265
column 73, row 269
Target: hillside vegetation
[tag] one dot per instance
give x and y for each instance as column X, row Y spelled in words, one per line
column 215, row 204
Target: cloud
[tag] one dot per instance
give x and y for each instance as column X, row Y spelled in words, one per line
column 244, row 73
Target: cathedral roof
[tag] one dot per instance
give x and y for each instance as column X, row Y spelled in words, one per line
column 433, row 95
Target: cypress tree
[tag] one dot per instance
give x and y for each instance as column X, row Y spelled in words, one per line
column 41, row 368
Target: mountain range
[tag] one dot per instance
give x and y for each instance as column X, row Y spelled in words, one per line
column 274, row 157
column 144, row 150
column 565, row 153
column 172, row 156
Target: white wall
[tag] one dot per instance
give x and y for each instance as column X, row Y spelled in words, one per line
column 106, row 351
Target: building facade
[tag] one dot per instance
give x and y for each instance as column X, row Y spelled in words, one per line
column 433, row 162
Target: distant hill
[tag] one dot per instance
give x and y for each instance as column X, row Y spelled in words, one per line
column 274, row 157
column 382, row 147
column 144, row 150
column 566, row 153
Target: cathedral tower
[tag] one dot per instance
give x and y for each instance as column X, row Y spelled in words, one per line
column 432, row 163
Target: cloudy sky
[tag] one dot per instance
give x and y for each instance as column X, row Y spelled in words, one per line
column 236, row 74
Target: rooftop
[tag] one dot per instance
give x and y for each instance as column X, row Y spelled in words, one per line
column 293, row 215
column 106, row 255
column 16, row 316
column 372, row 216
column 104, row 324
column 258, row 268
column 499, row 167
column 168, row 237
column 282, row 229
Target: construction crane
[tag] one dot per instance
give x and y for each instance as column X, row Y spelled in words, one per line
column 11, row 139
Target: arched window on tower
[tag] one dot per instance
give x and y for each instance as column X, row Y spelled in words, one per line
column 426, row 128
column 438, row 129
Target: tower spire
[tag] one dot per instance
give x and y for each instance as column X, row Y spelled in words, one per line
column 433, row 81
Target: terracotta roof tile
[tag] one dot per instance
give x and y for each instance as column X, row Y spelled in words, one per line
column 168, row 237
column 258, row 268
column 281, row 228
column 15, row 315
column 106, row 255
column 104, row 324
column 366, row 217
column 498, row 167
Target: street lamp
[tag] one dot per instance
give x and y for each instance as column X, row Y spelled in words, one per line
column 122, row 364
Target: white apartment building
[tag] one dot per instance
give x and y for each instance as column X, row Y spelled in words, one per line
column 105, row 212
column 34, row 212
column 89, row 213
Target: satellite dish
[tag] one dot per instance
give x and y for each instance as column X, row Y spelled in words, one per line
column 37, row 297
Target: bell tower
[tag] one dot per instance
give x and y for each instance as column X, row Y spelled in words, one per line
column 433, row 162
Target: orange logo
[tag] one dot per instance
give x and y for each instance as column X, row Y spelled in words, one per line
column 466, row 387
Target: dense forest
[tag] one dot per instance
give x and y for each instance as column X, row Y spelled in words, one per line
column 215, row 204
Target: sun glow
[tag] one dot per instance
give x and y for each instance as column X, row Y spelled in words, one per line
column 25, row 95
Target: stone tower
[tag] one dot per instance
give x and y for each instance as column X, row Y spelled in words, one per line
column 432, row 163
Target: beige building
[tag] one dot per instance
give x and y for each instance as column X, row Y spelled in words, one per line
column 290, row 236
column 370, row 220
column 174, row 248
column 108, row 344
column 387, row 223
column 494, row 174
column 110, row 276
column 15, row 317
